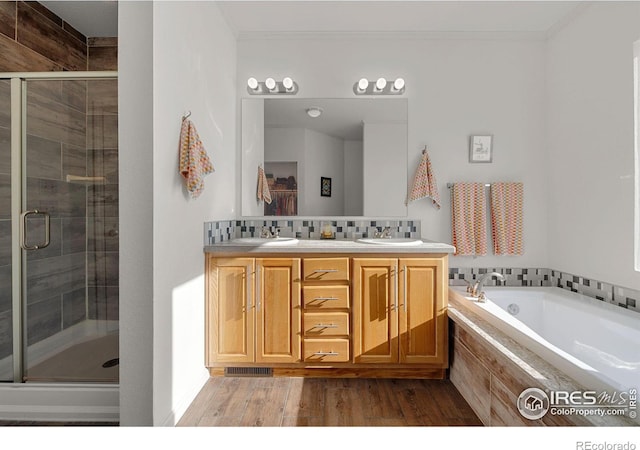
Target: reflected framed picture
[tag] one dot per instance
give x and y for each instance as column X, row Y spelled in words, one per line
column 481, row 148
column 325, row 187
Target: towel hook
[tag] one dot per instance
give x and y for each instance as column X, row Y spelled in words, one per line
column 424, row 150
column 186, row 116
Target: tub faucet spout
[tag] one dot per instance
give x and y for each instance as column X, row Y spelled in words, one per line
column 476, row 290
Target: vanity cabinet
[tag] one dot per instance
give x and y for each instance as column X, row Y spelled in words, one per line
column 336, row 315
column 399, row 310
column 253, row 310
column 326, row 310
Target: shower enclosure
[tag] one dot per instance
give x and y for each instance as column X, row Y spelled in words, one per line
column 59, row 227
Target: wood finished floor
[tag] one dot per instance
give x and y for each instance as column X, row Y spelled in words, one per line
column 282, row 402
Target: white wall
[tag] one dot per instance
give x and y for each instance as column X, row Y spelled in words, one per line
column 385, row 163
column 353, row 179
column 590, row 128
column 636, row 62
column 324, row 157
column 455, row 87
column 194, row 70
column 135, row 172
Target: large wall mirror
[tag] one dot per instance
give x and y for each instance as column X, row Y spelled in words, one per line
column 325, row 157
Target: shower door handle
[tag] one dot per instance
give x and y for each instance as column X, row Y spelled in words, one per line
column 23, row 229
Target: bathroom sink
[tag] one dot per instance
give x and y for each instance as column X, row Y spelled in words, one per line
column 265, row 241
column 391, row 241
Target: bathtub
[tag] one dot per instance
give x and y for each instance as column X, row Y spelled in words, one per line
column 594, row 342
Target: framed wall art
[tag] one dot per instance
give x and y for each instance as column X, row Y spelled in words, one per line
column 325, row 187
column 481, row 148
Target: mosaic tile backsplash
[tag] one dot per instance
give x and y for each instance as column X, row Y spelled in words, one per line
column 222, row 231
column 617, row 295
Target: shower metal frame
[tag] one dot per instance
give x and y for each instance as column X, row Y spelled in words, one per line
column 18, row 202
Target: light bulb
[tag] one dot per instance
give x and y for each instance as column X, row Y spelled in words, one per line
column 287, row 83
column 363, row 84
column 270, row 83
column 381, row 83
column 314, row 112
column 398, row 84
column 252, row 83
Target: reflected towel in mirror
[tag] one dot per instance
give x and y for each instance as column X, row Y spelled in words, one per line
column 263, row 187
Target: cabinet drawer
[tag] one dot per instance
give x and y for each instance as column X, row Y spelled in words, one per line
column 326, row 350
column 325, row 297
column 325, row 269
column 326, row 324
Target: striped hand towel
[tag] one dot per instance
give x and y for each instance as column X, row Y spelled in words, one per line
column 194, row 161
column 424, row 182
column 263, row 187
column 506, row 218
column 469, row 219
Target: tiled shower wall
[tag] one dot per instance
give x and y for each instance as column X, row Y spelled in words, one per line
column 102, row 200
column 56, row 147
column 82, row 261
column 5, row 221
column 34, row 39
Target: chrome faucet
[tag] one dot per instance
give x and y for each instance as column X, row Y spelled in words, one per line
column 384, row 234
column 476, row 288
column 267, row 233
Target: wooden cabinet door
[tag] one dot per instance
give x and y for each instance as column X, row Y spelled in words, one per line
column 422, row 310
column 230, row 318
column 278, row 312
column 375, row 320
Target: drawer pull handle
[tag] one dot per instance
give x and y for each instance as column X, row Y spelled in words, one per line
column 326, row 298
column 326, row 353
column 325, row 325
column 325, row 270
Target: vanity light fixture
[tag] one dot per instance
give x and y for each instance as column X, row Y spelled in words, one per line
column 398, row 84
column 287, row 83
column 270, row 83
column 252, row 83
column 314, row 112
column 363, row 84
column 271, row 86
column 381, row 86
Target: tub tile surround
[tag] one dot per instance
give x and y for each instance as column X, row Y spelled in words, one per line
column 490, row 370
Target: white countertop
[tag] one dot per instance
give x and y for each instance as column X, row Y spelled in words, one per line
column 329, row 246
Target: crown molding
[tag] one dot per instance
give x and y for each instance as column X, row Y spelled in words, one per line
column 567, row 19
column 395, row 35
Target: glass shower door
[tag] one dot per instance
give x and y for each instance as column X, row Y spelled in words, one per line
column 70, row 237
column 6, row 310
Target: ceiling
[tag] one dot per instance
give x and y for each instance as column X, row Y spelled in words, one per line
column 250, row 17
column 98, row 18
column 93, row 18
